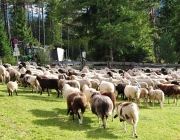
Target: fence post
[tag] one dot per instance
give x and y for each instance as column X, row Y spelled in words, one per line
column 108, row 64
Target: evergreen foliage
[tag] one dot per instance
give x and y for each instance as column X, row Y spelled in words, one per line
column 5, row 48
column 109, row 30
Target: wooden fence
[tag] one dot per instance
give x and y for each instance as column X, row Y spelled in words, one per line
column 114, row 65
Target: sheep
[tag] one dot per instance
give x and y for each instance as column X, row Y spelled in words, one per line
column 156, row 94
column 128, row 112
column 148, row 81
column 48, row 84
column 144, row 95
column 108, row 86
column 111, row 95
column 88, row 92
column 72, row 83
column 170, row 89
column 67, row 89
column 76, row 101
column 83, row 82
column 2, row 73
column 143, row 84
column 22, row 70
column 30, row 80
column 6, row 76
column 12, row 72
column 132, row 92
column 95, row 83
column 115, row 81
column 120, row 90
column 102, row 106
column 11, row 87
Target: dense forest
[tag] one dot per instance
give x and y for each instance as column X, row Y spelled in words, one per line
column 108, row 30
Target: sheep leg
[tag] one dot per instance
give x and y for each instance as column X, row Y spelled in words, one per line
column 134, row 131
column 33, row 87
column 16, row 93
column 42, row 89
column 138, row 101
column 89, row 106
column 161, row 104
column 73, row 116
column 104, row 121
column 48, row 92
column 146, row 100
column 168, row 99
column 124, row 126
column 58, row 93
column 176, row 99
column 152, row 102
column 112, row 115
column 79, row 118
column 68, row 111
column 9, row 92
column 117, row 95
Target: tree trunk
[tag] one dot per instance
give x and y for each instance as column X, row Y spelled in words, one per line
column 7, row 22
column 43, row 23
column 111, row 51
column 39, row 22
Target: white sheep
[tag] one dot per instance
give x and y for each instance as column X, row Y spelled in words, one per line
column 156, row 94
column 88, row 93
column 107, row 86
column 11, row 87
column 67, row 89
column 115, row 81
column 128, row 112
column 2, row 73
column 22, row 70
column 95, row 83
column 72, row 83
column 132, row 92
column 82, row 82
column 6, row 76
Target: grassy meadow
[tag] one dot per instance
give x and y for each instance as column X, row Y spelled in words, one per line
column 31, row 116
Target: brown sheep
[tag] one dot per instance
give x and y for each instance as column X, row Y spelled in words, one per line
column 170, row 89
column 76, row 101
column 144, row 95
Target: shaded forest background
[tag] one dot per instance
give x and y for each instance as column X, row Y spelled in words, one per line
column 108, row 30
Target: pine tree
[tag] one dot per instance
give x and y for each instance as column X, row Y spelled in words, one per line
column 5, row 48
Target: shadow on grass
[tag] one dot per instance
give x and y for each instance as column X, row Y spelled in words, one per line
column 58, row 117
column 43, row 98
column 106, row 133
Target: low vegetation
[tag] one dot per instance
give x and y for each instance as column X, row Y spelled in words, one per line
column 34, row 116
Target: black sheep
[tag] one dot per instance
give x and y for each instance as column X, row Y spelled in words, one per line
column 48, row 84
column 120, row 90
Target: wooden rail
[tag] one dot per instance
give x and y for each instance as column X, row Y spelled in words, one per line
column 115, row 65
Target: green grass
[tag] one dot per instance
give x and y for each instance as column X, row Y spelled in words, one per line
column 31, row 116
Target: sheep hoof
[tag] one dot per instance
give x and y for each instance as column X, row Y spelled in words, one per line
column 136, row 136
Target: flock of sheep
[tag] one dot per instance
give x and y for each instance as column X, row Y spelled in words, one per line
column 96, row 90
